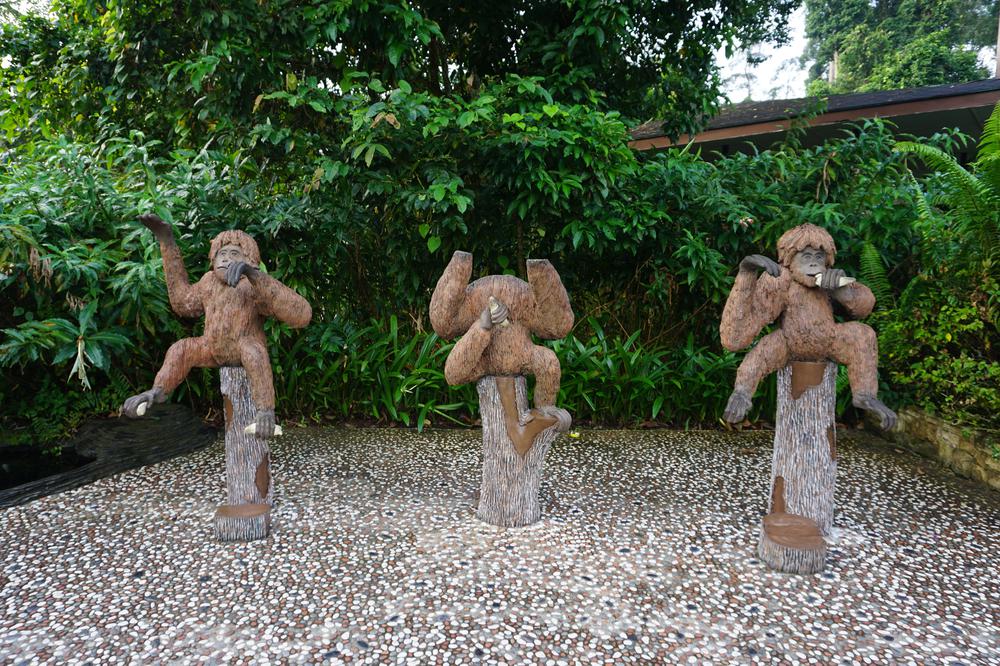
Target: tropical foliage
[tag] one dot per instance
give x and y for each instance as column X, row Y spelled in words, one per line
column 367, row 142
column 948, row 315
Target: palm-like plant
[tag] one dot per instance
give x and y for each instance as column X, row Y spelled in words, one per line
column 970, row 200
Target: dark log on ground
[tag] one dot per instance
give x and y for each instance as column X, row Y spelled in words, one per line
column 247, row 515
column 115, row 446
column 515, row 442
column 803, row 469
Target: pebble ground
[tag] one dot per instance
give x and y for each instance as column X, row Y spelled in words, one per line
column 645, row 555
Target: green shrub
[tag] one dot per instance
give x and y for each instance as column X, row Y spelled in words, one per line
column 336, row 370
column 940, row 354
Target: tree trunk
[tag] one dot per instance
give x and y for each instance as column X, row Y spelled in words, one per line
column 515, row 441
column 803, row 470
column 996, row 71
column 247, row 516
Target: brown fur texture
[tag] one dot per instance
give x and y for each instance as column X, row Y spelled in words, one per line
column 807, row 330
column 234, row 317
column 540, row 306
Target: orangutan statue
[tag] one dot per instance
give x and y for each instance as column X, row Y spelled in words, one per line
column 235, row 297
column 801, row 292
column 496, row 316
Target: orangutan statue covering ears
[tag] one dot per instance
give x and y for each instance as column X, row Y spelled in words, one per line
column 495, row 317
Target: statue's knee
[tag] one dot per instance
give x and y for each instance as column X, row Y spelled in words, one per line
column 860, row 337
column 185, row 350
column 255, row 361
column 545, row 361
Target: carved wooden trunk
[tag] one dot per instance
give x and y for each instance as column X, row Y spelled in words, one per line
column 803, row 469
column 247, row 515
column 514, row 449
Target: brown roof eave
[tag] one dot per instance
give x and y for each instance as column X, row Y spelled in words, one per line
column 931, row 105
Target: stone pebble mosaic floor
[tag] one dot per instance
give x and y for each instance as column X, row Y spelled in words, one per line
column 645, row 556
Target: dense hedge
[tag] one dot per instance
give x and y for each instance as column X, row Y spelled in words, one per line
column 86, row 293
column 358, row 185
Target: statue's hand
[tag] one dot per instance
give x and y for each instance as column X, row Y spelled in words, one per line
column 132, row 406
column 153, row 222
column 485, row 320
column 236, row 271
column 758, row 262
column 264, row 423
column 738, row 406
column 495, row 313
column 831, row 278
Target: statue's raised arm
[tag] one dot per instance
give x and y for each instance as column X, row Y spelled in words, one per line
column 185, row 298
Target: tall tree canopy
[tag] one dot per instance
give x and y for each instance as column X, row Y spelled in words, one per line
column 191, row 70
column 859, row 45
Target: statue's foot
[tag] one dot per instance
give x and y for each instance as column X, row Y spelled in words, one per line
column 738, row 406
column 137, row 405
column 562, row 417
column 498, row 311
column 869, row 403
column 495, row 313
column 264, row 423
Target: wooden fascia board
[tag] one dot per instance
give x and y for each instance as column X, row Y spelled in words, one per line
column 773, row 126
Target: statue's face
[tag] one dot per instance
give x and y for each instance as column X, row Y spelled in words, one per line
column 224, row 258
column 809, row 262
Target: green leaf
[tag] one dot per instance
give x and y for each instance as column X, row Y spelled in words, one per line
column 424, row 229
column 550, row 110
column 657, row 405
column 395, row 52
column 433, row 243
column 466, row 118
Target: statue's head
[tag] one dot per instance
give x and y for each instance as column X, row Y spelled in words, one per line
column 228, row 248
column 806, row 251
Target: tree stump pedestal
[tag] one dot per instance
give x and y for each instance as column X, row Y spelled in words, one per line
column 247, row 515
column 515, row 441
column 803, row 470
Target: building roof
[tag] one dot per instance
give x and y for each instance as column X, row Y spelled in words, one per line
column 750, row 119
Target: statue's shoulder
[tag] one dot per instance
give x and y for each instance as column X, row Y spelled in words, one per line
column 775, row 284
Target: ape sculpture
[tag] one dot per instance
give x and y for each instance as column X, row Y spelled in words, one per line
column 235, row 297
column 496, row 316
column 801, row 293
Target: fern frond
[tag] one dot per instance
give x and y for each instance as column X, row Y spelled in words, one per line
column 929, row 222
column 874, row 274
column 989, row 143
column 988, row 169
column 971, row 197
column 913, row 292
column 975, row 203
